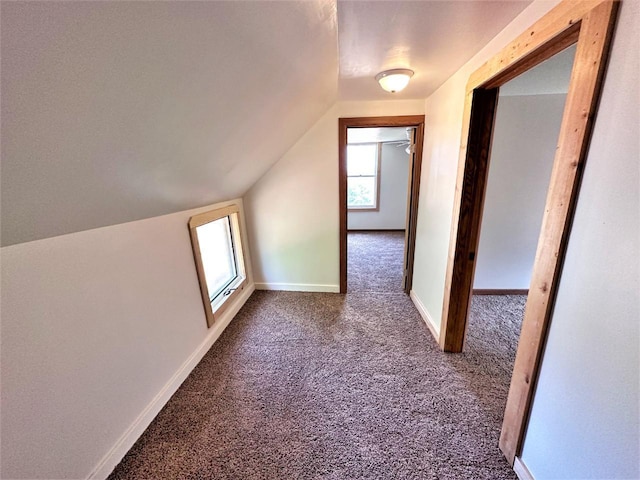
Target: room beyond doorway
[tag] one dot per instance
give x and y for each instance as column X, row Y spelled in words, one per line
column 369, row 179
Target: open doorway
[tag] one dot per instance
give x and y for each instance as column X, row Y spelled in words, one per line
column 378, row 182
column 525, row 135
column 375, row 142
column 589, row 25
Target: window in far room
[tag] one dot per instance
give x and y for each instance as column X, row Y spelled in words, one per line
column 363, row 176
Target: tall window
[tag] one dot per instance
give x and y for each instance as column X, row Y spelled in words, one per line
column 363, row 176
column 217, row 249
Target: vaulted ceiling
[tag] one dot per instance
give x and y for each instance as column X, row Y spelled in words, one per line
column 118, row 111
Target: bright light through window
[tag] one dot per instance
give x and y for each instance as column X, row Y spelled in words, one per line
column 362, row 176
column 217, row 250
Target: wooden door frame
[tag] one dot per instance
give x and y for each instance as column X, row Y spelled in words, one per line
column 589, row 23
column 416, row 121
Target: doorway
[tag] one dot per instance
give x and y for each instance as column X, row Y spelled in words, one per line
column 590, row 26
column 415, row 125
column 525, row 135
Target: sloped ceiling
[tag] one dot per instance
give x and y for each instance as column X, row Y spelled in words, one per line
column 119, row 111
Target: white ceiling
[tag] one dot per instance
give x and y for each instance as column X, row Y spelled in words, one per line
column 433, row 38
column 118, row 111
column 375, row 135
column 550, row 77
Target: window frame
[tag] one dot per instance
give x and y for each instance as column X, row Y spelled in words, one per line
column 215, row 307
column 376, row 183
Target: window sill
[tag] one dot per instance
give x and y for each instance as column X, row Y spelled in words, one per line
column 363, row 209
column 222, row 301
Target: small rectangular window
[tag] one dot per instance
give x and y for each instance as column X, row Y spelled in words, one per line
column 217, row 250
column 363, row 176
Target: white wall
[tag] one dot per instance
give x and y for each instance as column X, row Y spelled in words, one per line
column 443, row 127
column 585, row 417
column 118, row 111
column 292, row 212
column 394, row 181
column 524, row 144
column 584, row 422
column 98, row 330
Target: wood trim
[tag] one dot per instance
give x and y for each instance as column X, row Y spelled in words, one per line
column 412, row 212
column 471, row 201
column 212, row 215
column 575, row 132
column 238, row 285
column 343, row 124
column 197, row 258
column 362, row 122
column 397, row 121
column 590, row 24
column 490, row 291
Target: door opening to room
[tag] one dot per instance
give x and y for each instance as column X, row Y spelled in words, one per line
column 590, row 27
column 380, row 162
column 377, row 186
column 525, row 135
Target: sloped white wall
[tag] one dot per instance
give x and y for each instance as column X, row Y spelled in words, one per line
column 394, row 181
column 99, row 328
column 524, row 144
column 292, row 212
column 585, row 421
column 118, row 111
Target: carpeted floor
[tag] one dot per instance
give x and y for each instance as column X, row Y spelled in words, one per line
column 328, row 386
column 374, row 261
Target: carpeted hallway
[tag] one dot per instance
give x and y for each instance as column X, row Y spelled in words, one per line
column 328, row 386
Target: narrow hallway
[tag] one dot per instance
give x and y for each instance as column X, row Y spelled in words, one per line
column 328, row 386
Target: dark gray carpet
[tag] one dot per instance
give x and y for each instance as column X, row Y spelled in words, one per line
column 328, row 386
column 374, row 261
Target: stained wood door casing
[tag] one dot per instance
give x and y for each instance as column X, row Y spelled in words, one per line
column 415, row 169
column 589, row 23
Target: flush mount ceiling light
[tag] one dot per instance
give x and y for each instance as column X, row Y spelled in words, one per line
column 394, row 80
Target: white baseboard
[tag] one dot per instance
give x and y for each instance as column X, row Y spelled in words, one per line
column 521, row 470
column 298, row 287
column 424, row 313
column 126, row 441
